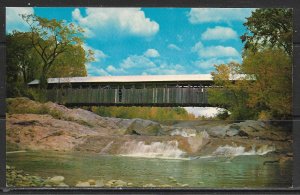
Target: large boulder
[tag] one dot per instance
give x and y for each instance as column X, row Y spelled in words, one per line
column 217, row 131
column 229, row 130
column 143, row 127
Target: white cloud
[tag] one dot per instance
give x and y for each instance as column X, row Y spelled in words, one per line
column 141, row 65
column 203, row 15
column 117, row 20
column 219, row 51
column 14, row 21
column 174, row 47
column 115, row 70
column 219, row 33
column 98, row 54
column 151, row 53
column 214, row 51
column 165, row 69
column 136, row 61
column 198, row 46
column 111, row 68
column 94, row 70
column 208, row 64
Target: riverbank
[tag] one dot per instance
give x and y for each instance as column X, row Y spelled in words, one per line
column 36, row 126
column 43, row 128
column 16, row 178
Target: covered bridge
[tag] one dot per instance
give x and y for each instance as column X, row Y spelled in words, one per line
column 148, row 90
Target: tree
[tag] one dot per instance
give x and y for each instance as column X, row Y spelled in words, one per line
column 231, row 94
column 70, row 64
column 269, row 28
column 266, row 91
column 22, row 64
column 272, row 89
column 50, row 39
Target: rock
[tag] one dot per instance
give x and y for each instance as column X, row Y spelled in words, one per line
column 271, row 162
column 99, row 183
column 116, row 183
column 150, row 185
column 232, row 132
column 217, row 131
column 92, row 182
column 62, row 185
column 165, row 186
column 120, row 183
column 289, row 154
column 57, row 179
column 83, row 184
column 144, row 127
column 171, row 178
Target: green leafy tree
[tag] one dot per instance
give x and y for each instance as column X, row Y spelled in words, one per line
column 51, row 39
column 70, row 63
column 230, row 91
column 269, row 28
column 272, row 90
column 22, row 64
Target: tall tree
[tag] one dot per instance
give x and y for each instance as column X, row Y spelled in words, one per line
column 70, row 64
column 269, row 28
column 231, row 91
column 272, row 90
column 22, row 64
column 50, row 39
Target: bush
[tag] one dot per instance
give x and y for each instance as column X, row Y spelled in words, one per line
column 265, row 116
column 150, row 113
column 223, row 115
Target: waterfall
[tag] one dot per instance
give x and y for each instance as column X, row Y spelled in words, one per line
column 240, row 150
column 106, row 148
column 167, row 150
column 184, row 133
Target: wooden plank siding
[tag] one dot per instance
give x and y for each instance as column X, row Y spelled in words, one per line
column 119, row 95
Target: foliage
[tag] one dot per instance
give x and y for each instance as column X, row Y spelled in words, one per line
column 266, row 91
column 22, row 64
column 272, row 89
column 70, row 63
column 231, row 94
column 269, row 28
column 51, row 39
column 223, row 115
column 151, row 113
column 51, row 49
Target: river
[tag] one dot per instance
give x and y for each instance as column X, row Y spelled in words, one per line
column 215, row 172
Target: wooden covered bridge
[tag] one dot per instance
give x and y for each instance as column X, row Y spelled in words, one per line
column 149, row 90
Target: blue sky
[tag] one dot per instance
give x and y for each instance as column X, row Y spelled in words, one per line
column 151, row 41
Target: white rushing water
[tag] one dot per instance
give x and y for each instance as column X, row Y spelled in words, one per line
column 240, row 150
column 204, row 111
column 184, row 133
column 167, row 150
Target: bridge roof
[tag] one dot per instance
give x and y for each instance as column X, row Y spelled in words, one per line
column 129, row 79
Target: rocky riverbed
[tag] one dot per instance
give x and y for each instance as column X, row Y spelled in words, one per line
column 36, row 126
column 33, row 126
column 16, row 177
